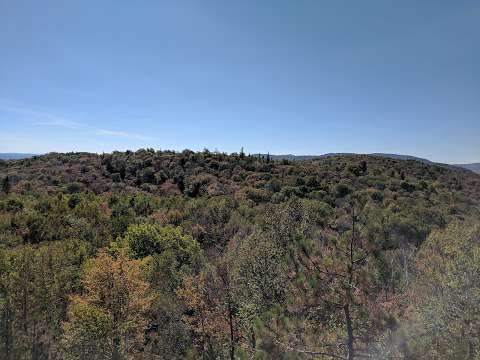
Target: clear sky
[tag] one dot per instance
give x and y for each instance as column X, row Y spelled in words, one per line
column 278, row 76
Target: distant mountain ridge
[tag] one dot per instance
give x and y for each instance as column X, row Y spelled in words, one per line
column 311, row 157
column 16, row 156
column 475, row 167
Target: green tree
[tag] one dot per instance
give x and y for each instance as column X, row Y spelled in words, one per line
column 446, row 294
column 34, row 286
column 172, row 253
column 258, row 283
column 334, row 307
column 169, row 256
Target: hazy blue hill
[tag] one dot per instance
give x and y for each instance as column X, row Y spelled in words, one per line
column 311, row 157
column 15, row 156
column 304, row 157
column 473, row 167
column 404, row 157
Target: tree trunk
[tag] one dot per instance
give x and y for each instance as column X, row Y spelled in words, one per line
column 350, row 338
column 253, row 339
column 232, row 334
column 8, row 332
column 348, row 292
column 34, row 342
column 116, row 355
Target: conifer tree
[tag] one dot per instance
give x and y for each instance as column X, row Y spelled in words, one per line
column 6, row 185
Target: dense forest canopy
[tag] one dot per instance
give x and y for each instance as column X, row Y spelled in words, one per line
column 203, row 255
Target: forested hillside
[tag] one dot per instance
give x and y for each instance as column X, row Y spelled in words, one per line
column 202, row 255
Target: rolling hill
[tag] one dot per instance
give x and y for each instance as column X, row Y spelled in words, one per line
column 204, row 247
column 475, row 167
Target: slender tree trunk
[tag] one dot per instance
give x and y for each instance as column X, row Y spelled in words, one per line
column 24, row 309
column 232, row 334
column 253, row 339
column 116, row 355
column 405, row 265
column 34, row 341
column 350, row 338
column 231, row 317
column 471, row 349
column 8, row 331
column 348, row 292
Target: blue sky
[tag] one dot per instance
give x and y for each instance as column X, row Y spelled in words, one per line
column 278, row 76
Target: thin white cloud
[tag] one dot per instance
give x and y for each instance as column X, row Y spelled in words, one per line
column 124, row 134
column 47, row 119
column 67, row 124
column 43, row 118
